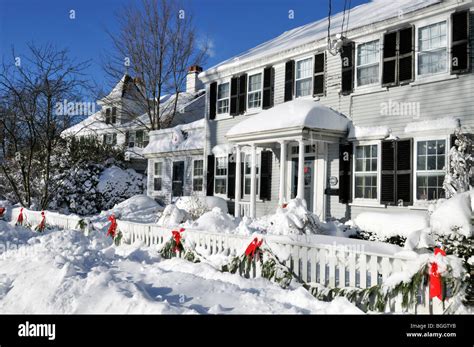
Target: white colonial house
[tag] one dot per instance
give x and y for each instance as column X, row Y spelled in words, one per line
column 362, row 122
column 122, row 121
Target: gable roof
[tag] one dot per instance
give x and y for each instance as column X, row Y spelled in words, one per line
column 372, row 12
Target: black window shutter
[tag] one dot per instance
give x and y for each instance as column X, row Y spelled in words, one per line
column 212, row 100
column 345, row 155
column 289, row 80
column 268, row 87
column 387, row 190
column 460, row 42
column 404, row 171
column 318, row 80
column 231, row 177
column 266, row 175
column 389, row 75
column 242, row 106
column 406, row 55
column 347, row 60
column 210, row 175
column 234, row 95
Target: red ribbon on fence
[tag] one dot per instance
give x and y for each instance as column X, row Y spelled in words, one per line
column 19, row 220
column 113, row 226
column 253, row 247
column 177, row 239
column 2, row 211
column 42, row 224
column 436, row 285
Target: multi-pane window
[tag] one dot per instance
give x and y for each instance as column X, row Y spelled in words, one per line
column 110, row 139
column 107, row 116
column 255, row 90
column 430, row 163
column 220, row 179
column 303, row 77
column 432, row 48
column 198, row 174
column 114, row 115
column 223, row 98
column 157, row 176
column 248, row 173
column 366, row 172
column 131, row 139
column 368, row 59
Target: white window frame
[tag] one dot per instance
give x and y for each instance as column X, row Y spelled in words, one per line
column 311, row 77
column 155, row 175
column 194, row 176
column 357, row 66
column 217, row 99
column 418, row 48
column 250, row 74
column 361, row 201
column 377, row 173
column 245, row 157
column 416, row 140
column 224, row 177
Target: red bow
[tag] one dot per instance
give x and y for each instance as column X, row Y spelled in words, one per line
column 2, row 211
column 253, row 247
column 42, row 224
column 436, row 289
column 112, row 227
column 177, row 239
column 20, row 217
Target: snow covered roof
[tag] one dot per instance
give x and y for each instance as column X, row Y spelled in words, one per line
column 123, row 86
column 446, row 123
column 299, row 113
column 372, row 12
column 183, row 137
column 96, row 122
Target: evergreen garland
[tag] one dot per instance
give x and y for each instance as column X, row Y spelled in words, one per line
column 169, row 251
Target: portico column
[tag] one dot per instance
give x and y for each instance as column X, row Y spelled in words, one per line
column 300, row 192
column 282, row 196
column 253, row 181
column 238, row 179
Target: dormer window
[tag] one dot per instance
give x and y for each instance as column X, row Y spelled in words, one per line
column 107, row 116
column 223, row 98
column 255, row 91
column 303, row 77
column 114, row 115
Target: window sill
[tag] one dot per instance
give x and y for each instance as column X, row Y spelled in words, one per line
column 419, row 206
column 369, row 90
column 362, row 203
column 433, row 79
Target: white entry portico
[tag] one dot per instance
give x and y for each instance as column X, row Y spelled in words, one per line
column 298, row 132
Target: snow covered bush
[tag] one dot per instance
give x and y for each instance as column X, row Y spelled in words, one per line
column 216, row 221
column 293, row 219
column 453, row 216
column 116, row 185
column 139, row 208
column 458, row 173
column 197, row 205
column 172, row 216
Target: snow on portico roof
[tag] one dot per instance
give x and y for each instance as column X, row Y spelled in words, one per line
column 297, row 113
column 372, row 12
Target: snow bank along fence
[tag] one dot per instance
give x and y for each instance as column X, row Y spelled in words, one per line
column 333, row 266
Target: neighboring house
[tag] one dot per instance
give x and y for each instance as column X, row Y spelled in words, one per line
column 176, row 161
column 364, row 125
column 123, row 122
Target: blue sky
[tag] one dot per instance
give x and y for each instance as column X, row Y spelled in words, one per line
column 233, row 26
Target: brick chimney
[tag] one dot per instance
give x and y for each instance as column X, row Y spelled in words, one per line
column 193, row 83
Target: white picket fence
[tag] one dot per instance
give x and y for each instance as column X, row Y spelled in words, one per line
column 326, row 263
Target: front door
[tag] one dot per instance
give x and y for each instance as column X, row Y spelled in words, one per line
column 308, row 180
column 178, row 178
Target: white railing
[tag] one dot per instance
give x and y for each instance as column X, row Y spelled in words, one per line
column 328, row 261
column 244, row 207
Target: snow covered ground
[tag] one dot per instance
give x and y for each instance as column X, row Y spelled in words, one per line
column 67, row 272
